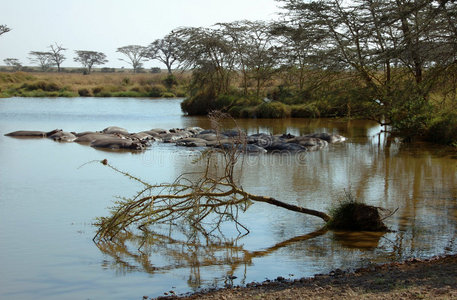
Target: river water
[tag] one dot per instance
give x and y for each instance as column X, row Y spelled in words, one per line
column 50, row 197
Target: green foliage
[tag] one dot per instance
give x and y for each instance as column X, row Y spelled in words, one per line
column 83, row 92
column 156, row 91
column 200, row 104
column 410, row 116
column 273, row 110
column 170, row 81
column 168, row 95
column 41, row 85
column 304, row 111
column 224, row 102
column 443, row 129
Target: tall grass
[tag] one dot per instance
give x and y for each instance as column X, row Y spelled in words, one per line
column 94, row 85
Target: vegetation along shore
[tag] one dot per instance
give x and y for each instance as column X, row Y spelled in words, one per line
column 375, row 60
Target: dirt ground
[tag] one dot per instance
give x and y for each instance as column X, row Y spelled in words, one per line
column 434, row 278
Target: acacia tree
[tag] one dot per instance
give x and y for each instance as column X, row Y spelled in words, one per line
column 210, row 54
column 166, row 50
column 136, row 55
column 56, row 55
column 43, row 59
column 261, row 53
column 90, row 58
column 4, row 29
column 14, row 63
column 256, row 52
column 397, row 50
column 299, row 50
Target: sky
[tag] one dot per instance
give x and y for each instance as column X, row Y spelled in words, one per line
column 105, row 25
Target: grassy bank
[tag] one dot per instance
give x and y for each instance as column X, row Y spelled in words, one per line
column 22, row 84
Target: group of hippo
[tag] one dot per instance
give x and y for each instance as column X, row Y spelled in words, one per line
column 119, row 138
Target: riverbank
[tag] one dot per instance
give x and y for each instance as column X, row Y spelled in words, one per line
column 434, row 278
column 22, row 84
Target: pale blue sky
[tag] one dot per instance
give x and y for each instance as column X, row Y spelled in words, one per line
column 105, row 25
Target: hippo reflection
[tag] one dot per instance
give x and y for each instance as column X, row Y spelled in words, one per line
column 115, row 138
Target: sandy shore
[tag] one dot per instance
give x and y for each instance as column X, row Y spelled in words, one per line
column 434, row 278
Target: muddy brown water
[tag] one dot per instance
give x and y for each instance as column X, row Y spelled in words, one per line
column 48, row 204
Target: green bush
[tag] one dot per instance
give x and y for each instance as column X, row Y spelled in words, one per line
column 410, row 117
column 156, row 90
column 170, row 81
column 443, row 129
column 41, row 85
column 224, row 102
column 200, row 104
column 273, row 110
column 83, row 92
column 97, row 90
column 168, row 95
column 304, row 111
column 123, row 94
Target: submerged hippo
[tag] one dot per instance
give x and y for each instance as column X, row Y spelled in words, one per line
column 62, row 136
column 246, row 148
column 115, row 130
column 32, row 133
column 91, row 137
column 307, row 141
column 330, row 138
column 117, row 143
column 192, row 142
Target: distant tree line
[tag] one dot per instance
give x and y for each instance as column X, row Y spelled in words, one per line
column 393, row 61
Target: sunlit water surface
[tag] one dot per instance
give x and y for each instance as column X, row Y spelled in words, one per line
column 48, row 203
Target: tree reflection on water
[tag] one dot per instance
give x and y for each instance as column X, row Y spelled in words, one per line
column 138, row 252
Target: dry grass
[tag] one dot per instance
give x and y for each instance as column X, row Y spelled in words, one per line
column 70, row 84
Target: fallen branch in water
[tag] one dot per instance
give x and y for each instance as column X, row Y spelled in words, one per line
column 207, row 199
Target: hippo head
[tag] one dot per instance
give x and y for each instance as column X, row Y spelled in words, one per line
column 137, row 145
column 53, row 132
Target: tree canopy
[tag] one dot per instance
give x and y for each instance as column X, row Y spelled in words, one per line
column 90, row 58
column 4, row 29
column 136, row 55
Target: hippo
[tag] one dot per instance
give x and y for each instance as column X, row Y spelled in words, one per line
column 262, row 139
column 246, row 148
column 234, row 133
column 191, row 142
column 115, row 129
column 32, row 133
column 141, row 136
column 206, row 131
column 80, row 134
column 308, row 141
column 330, row 138
column 194, row 130
column 152, row 133
column 284, row 146
column 174, row 136
column 211, row 136
column 63, row 136
column 91, row 137
column 117, row 143
column 159, row 130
